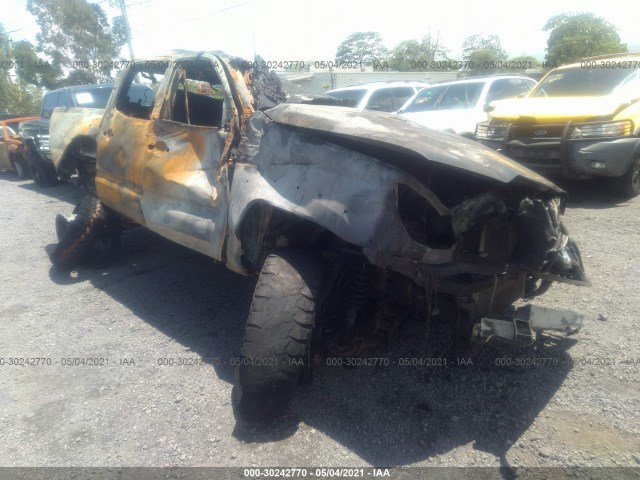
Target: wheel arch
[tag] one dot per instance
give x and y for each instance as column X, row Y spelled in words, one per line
column 80, row 148
column 263, row 227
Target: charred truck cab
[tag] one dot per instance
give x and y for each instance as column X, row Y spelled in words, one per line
column 344, row 215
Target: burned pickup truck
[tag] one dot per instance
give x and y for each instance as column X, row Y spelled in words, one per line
column 345, row 216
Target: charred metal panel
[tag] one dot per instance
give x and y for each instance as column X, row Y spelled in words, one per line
column 184, row 192
column 123, row 146
column 165, row 175
column 344, row 191
column 70, row 123
column 168, row 175
column 393, row 132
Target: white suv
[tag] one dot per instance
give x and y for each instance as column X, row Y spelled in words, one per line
column 458, row 106
column 381, row 96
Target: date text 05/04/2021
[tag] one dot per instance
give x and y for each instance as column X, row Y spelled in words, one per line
column 321, row 472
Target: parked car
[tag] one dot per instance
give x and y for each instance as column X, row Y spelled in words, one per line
column 380, row 96
column 38, row 146
column 354, row 221
column 11, row 145
column 459, row 105
column 581, row 121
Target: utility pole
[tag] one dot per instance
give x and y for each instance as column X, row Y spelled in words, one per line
column 253, row 35
column 123, row 10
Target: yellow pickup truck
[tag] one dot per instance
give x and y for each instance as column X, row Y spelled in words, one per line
column 581, row 121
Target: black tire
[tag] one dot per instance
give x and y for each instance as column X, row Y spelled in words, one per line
column 20, row 167
column 44, row 175
column 628, row 185
column 277, row 338
column 86, row 234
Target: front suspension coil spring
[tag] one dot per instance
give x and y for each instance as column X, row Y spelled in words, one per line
column 358, row 288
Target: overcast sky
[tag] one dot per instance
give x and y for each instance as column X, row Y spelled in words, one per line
column 296, row 30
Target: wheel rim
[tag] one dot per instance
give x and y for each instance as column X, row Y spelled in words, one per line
column 635, row 176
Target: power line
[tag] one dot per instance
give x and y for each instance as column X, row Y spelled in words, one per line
column 138, row 3
column 217, row 11
column 12, row 31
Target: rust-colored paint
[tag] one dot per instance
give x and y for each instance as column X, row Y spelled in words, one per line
column 244, row 96
column 10, row 145
column 165, row 174
column 120, row 168
column 69, row 124
column 248, row 78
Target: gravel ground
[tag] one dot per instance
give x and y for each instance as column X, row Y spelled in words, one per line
column 158, row 300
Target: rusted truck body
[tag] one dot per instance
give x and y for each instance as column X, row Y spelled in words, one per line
column 72, row 134
column 44, row 153
column 345, row 215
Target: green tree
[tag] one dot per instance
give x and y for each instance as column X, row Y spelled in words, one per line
column 484, row 55
column 522, row 63
column 18, row 96
column 573, row 36
column 361, row 47
column 73, row 35
column 31, row 69
column 7, row 91
column 416, row 55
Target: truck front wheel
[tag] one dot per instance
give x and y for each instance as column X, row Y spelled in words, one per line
column 44, row 175
column 278, row 334
column 18, row 165
column 628, row 184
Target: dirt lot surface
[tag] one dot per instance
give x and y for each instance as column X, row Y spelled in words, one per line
column 574, row 402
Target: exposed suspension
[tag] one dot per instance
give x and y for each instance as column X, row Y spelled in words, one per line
column 358, row 288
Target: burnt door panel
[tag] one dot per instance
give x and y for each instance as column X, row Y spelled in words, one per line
column 185, row 196
column 125, row 140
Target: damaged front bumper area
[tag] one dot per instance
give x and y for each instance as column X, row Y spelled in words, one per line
column 437, row 215
column 489, row 235
column 562, row 149
column 506, row 249
column 525, row 322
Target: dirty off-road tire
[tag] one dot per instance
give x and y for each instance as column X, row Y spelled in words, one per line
column 21, row 171
column 87, row 233
column 628, row 185
column 278, row 334
column 19, row 165
column 44, row 175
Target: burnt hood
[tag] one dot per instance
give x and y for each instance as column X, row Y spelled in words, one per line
column 396, row 133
